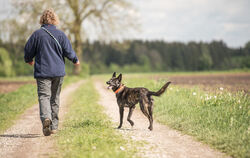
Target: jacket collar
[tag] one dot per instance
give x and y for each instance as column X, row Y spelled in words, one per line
column 48, row 26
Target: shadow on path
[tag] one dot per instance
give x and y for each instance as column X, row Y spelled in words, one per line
column 21, row 135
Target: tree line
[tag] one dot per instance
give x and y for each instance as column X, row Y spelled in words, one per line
column 138, row 56
column 158, row 56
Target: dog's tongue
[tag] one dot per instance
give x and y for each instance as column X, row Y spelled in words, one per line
column 109, row 87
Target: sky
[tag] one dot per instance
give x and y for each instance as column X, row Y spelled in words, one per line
column 188, row 20
column 195, row 20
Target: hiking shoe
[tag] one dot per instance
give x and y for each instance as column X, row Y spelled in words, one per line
column 46, row 127
column 53, row 131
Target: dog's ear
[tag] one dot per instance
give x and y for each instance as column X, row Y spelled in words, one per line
column 114, row 74
column 120, row 78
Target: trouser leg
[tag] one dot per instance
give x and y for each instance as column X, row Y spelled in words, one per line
column 44, row 95
column 55, row 100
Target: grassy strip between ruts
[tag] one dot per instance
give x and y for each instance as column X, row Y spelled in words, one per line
column 87, row 132
column 220, row 119
column 13, row 104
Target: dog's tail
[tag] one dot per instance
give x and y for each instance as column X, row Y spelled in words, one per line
column 162, row 90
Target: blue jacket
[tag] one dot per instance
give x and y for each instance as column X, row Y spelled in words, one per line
column 49, row 59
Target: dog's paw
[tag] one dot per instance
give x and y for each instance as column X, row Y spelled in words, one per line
column 132, row 124
column 150, row 128
column 119, row 127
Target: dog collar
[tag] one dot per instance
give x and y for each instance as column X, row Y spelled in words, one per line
column 119, row 89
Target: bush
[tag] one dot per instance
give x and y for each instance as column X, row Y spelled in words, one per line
column 5, row 63
column 23, row 69
column 85, row 70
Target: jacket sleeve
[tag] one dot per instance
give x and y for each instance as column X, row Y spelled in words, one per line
column 30, row 49
column 67, row 50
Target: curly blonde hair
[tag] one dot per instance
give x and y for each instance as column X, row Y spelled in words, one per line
column 49, row 17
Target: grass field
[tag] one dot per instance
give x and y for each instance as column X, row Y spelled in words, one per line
column 87, row 132
column 13, row 104
column 220, row 119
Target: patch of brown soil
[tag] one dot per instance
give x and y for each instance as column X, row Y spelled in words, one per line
column 232, row 82
column 10, row 86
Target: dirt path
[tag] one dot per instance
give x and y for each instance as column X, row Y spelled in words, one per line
column 25, row 139
column 163, row 142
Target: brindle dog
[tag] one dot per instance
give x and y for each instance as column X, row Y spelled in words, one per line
column 129, row 97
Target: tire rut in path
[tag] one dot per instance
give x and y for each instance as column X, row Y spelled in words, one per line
column 25, row 138
column 162, row 141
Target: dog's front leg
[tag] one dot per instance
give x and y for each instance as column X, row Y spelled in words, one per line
column 121, row 109
column 131, row 109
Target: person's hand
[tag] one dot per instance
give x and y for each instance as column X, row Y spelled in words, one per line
column 31, row 63
column 77, row 63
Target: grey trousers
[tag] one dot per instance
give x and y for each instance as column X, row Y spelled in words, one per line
column 48, row 90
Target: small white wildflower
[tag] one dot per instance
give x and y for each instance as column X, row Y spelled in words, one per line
column 221, row 88
column 122, row 148
column 231, row 121
column 238, row 101
column 171, row 88
column 215, row 97
column 194, row 93
column 208, row 97
column 240, row 107
column 94, row 147
column 201, row 97
column 132, row 137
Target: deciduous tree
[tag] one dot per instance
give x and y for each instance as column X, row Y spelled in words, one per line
column 81, row 19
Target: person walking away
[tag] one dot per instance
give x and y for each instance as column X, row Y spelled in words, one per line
column 49, row 46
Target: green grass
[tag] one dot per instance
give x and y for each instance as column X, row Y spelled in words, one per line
column 13, row 104
column 87, row 132
column 69, row 80
column 220, row 119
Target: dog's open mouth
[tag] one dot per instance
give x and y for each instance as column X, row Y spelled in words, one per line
column 109, row 87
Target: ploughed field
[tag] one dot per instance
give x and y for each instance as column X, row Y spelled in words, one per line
column 9, row 86
column 218, row 81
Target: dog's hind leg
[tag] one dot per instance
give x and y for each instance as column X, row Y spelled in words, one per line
column 121, row 110
column 144, row 110
column 150, row 110
column 131, row 109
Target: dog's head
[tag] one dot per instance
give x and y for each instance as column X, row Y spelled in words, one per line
column 114, row 82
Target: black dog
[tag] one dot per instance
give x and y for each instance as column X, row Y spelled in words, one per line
column 129, row 97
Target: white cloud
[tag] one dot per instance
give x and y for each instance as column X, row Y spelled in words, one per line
column 200, row 20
